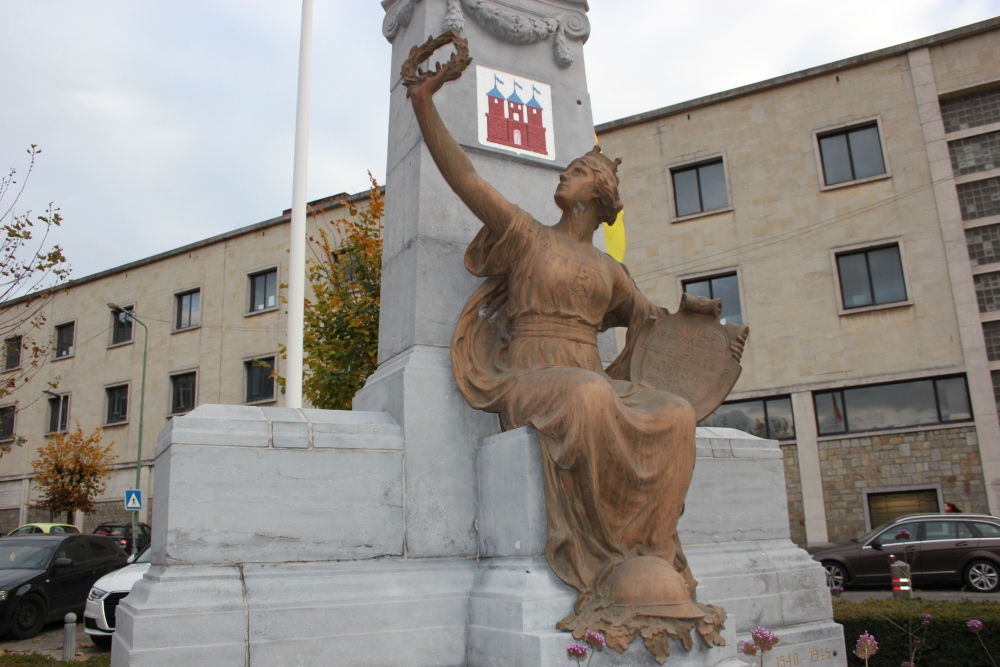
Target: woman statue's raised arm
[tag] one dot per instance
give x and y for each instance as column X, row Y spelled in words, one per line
column 482, row 198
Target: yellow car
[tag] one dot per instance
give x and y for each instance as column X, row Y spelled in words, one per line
column 39, row 528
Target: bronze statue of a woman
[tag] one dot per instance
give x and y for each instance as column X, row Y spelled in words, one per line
column 617, row 457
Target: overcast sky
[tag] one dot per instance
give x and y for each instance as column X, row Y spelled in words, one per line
column 165, row 122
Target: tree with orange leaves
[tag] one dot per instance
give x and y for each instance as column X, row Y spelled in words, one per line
column 70, row 471
column 340, row 337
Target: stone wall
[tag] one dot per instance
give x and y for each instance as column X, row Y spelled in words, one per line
column 793, row 490
column 949, row 457
column 9, row 520
column 107, row 512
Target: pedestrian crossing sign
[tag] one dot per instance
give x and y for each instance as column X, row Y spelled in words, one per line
column 133, row 499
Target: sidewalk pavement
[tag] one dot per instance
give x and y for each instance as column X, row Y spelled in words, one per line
column 50, row 643
column 857, row 595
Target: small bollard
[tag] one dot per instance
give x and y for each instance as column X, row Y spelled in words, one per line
column 900, row 573
column 69, row 638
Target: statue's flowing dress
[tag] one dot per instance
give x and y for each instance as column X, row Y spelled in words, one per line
column 617, row 457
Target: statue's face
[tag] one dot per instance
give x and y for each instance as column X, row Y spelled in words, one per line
column 576, row 185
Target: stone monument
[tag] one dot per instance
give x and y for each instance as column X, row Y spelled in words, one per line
column 411, row 531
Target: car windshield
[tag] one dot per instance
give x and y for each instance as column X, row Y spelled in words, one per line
column 145, row 556
column 20, row 556
column 113, row 531
column 874, row 531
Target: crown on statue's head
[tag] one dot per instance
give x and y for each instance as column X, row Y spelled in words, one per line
column 601, row 158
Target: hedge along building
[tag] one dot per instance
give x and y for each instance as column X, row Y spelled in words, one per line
column 212, row 308
column 850, row 215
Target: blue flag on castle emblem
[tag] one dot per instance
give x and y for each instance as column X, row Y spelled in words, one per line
column 133, row 499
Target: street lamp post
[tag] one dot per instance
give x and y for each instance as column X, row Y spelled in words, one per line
column 125, row 314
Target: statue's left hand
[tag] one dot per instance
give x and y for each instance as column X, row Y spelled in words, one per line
column 424, row 84
column 737, row 346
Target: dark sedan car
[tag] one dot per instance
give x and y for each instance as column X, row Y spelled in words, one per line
column 122, row 534
column 940, row 548
column 44, row 577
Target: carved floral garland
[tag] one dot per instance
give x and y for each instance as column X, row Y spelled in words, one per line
column 503, row 23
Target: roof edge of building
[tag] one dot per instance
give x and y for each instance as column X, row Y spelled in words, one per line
column 819, row 70
column 190, row 247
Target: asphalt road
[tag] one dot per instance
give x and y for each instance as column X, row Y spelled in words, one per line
column 934, row 594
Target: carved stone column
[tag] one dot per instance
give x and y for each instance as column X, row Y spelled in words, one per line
column 427, row 228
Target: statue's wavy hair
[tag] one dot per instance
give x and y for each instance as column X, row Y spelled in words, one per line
column 609, row 202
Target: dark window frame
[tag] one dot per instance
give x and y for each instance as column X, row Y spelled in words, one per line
column 118, row 327
column 696, row 167
column 767, row 420
column 8, row 422
column 937, row 406
column 58, row 421
column 114, row 415
column 846, row 132
column 8, row 352
column 180, row 310
column 711, row 290
column 176, row 392
column 866, row 251
column 252, row 291
column 253, row 373
column 63, row 351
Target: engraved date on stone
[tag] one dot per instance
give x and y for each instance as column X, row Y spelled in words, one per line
column 815, row 657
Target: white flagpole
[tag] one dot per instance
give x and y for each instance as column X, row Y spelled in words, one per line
column 297, row 245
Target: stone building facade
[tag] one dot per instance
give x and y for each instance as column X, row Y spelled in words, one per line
column 212, row 309
column 848, row 214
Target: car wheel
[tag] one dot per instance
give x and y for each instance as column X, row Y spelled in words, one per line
column 982, row 576
column 836, row 575
column 101, row 641
column 28, row 618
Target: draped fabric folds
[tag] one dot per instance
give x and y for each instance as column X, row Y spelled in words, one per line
column 617, row 457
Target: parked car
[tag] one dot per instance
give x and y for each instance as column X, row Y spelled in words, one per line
column 122, row 534
column 44, row 577
column 43, row 528
column 940, row 548
column 107, row 592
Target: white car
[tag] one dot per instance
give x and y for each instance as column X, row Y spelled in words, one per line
column 107, row 592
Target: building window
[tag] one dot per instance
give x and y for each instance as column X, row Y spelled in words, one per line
column 117, row 404
column 962, row 113
column 260, row 384
column 891, row 406
column 58, row 413
column 264, row 290
column 182, row 393
column 871, row 277
column 979, row 199
column 769, row 418
column 121, row 326
column 64, row 339
column 975, row 154
column 700, row 188
column 7, row 422
column 884, row 507
column 983, row 244
column 188, row 310
column 725, row 287
column 991, row 333
column 12, row 353
column 851, row 155
column 988, row 292
column 995, row 376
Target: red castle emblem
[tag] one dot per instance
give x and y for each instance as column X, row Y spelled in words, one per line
column 512, row 122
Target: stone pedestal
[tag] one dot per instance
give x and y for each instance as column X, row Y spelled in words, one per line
column 279, row 539
column 735, row 535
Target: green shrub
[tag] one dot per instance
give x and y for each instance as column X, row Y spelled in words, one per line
column 948, row 641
